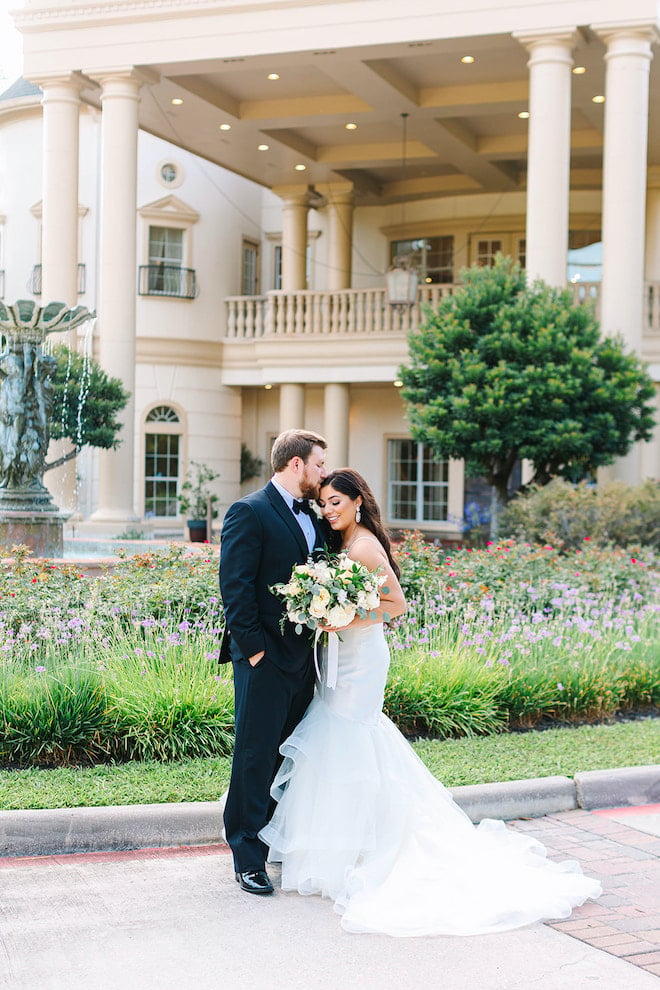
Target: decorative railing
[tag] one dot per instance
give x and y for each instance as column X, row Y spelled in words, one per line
column 35, row 283
column 338, row 311
column 353, row 312
column 167, row 280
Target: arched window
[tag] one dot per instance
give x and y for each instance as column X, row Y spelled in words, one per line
column 162, row 456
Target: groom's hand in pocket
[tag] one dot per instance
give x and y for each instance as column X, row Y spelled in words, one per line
column 253, row 661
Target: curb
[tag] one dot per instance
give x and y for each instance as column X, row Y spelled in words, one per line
column 52, row 832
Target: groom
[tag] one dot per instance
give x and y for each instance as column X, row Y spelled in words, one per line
column 264, row 535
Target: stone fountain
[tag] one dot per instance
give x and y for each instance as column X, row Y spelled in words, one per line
column 28, row 514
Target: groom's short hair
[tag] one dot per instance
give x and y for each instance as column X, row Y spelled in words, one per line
column 294, row 443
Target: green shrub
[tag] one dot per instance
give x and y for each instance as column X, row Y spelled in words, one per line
column 566, row 515
column 168, row 705
column 55, row 717
column 443, row 696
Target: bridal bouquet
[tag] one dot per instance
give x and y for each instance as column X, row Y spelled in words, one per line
column 330, row 591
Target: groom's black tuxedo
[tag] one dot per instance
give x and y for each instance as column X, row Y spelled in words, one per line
column 261, row 542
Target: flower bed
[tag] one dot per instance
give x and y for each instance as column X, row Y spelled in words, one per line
column 125, row 666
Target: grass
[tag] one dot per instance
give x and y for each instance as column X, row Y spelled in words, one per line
column 476, row 760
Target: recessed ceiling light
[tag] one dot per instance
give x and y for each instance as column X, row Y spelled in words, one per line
column 351, row 127
column 467, row 59
column 263, row 147
column 225, row 127
column 524, row 114
column 598, row 99
column 397, row 383
column 579, row 70
column 177, row 101
column 300, row 167
column 273, row 75
column 268, row 386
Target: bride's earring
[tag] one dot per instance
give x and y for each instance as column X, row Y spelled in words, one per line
column 358, row 514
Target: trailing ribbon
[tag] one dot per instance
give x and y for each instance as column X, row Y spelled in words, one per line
column 333, row 657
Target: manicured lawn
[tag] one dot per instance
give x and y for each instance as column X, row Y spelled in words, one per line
column 509, row 756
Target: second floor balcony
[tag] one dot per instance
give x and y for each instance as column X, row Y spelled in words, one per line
column 366, row 312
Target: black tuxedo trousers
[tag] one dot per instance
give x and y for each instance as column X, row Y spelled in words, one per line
column 261, row 542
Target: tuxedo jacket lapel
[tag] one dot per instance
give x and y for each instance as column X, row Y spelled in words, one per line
column 285, row 513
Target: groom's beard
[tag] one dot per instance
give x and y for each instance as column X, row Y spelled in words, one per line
column 307, row 487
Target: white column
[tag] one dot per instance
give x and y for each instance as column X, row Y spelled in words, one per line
column 341, row 203
column 548, row 154
column 628, row 60
column 336, row 410
column 292, row 406
column 650, row 452
column 117, row 279
column 295, row 207
column 59, row 224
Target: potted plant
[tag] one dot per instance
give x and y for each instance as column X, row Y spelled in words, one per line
column 194, row 498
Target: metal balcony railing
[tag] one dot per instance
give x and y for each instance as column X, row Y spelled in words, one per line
column 167, row 280
column 35, row 282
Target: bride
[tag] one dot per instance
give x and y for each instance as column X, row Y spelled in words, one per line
column 360, row 819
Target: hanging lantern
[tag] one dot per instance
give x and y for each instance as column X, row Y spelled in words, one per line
column 401, row 283
column 401, row 279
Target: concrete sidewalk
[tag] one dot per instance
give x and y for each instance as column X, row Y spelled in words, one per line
column 174, row 919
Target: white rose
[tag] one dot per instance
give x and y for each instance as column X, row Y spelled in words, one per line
column 319, row 602
column 340, row 615
column 322, row 572
column 372, row 600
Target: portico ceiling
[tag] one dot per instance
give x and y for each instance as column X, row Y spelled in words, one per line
column 463, row 130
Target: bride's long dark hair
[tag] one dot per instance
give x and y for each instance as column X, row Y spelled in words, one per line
column 349, row 482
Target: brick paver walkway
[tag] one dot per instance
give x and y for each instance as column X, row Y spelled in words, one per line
column 625, row 921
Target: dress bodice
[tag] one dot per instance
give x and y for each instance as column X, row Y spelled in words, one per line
column 363, row 665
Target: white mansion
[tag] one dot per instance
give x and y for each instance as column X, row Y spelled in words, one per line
column 226, row 182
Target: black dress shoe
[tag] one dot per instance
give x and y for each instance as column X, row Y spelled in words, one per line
column 255, row 882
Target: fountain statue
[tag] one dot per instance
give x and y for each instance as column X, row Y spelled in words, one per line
column 27, row 513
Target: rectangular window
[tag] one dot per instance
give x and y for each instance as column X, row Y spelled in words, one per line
column 487, row 248
column 418, row 483
column 250, row 269
column 161, row 474
column 433, row 257
column 277, row 267
column 165, row 260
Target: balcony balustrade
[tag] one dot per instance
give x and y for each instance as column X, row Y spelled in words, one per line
column 366, row 311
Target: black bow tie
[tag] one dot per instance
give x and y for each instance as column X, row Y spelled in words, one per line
column 302, row 505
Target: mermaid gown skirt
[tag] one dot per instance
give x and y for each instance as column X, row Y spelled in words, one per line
column 360, row 820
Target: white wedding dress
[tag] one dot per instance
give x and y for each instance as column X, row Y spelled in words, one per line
column 361, row 820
